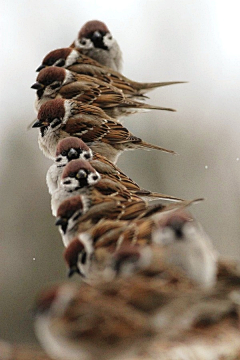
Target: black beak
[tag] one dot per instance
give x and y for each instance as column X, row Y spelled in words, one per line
column 96, row 36
column 97, row 39
column 37, row 124
column 63, row 223
column 74, row 269
column 81, row 174
column 40, row 68
column 72, row 154
column 37, row 86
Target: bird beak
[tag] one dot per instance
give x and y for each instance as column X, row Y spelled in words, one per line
column 39, row 124
column 72, row 154
column 96, row 36
column 37, row 86
column 63, row 223
column 40, row 68
column 81, row 174
column 74, row 269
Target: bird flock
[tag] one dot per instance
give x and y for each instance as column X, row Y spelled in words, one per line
column 151, row 286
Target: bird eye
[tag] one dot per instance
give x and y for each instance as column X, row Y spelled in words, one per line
column 64, row 153
column 83, row 42
column 60, row 63
column 77, row 216
column 67, row 182
column 55, row 85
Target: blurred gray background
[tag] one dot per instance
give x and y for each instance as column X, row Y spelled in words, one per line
column 192, row 40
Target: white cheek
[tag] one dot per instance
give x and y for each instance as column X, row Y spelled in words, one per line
column 69, row 77
column 72, row 58
column 86, row 155
column 69, row 184
column 108, row 41
column 94, row 178
column 61, row 161
column 50, row 92
column 88, row 45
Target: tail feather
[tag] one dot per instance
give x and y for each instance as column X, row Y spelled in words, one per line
column 156, row 196
column 157, row 210
column 146, row 145
column 154, row 107
column 140, row 105
column 142, row 88
column 183, row 204
column 164, row 197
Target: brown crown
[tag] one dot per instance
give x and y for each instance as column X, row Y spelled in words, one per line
column 180, row 215
column 55, row 55
column 69, row 143
column 75, row 165
column 50, row 74
column 92, row 26
column 51, row 109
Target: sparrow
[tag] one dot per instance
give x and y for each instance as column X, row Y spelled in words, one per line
column 59, row 118
column 182, row 240
column 74, row 60
column 149, row 315
column 95, row 41
column 72, row 148
column 79, row 177
column 79, row 213
column 57, row 82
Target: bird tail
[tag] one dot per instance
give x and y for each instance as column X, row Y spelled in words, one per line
column 146, row 145
column 157, row 210
column 176, row 206
column 153, row 107
column 156, row 195
column 142, row 88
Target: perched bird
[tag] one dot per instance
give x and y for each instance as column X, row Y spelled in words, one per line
column 153, row 314
column 79, row 177
column 61, row 118
column 74, row 60
column 181, row 239
column 79, row 213
column 57, row 82
column 95, row 40
column 72, row 148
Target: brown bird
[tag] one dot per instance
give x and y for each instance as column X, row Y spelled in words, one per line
column 79, row 213
column 79, row 177
column 181, row 238
column 156, row 313
column 61, row 118
column 74, row 60
column 72, row 148
column 95, row 40
column 56, row 82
